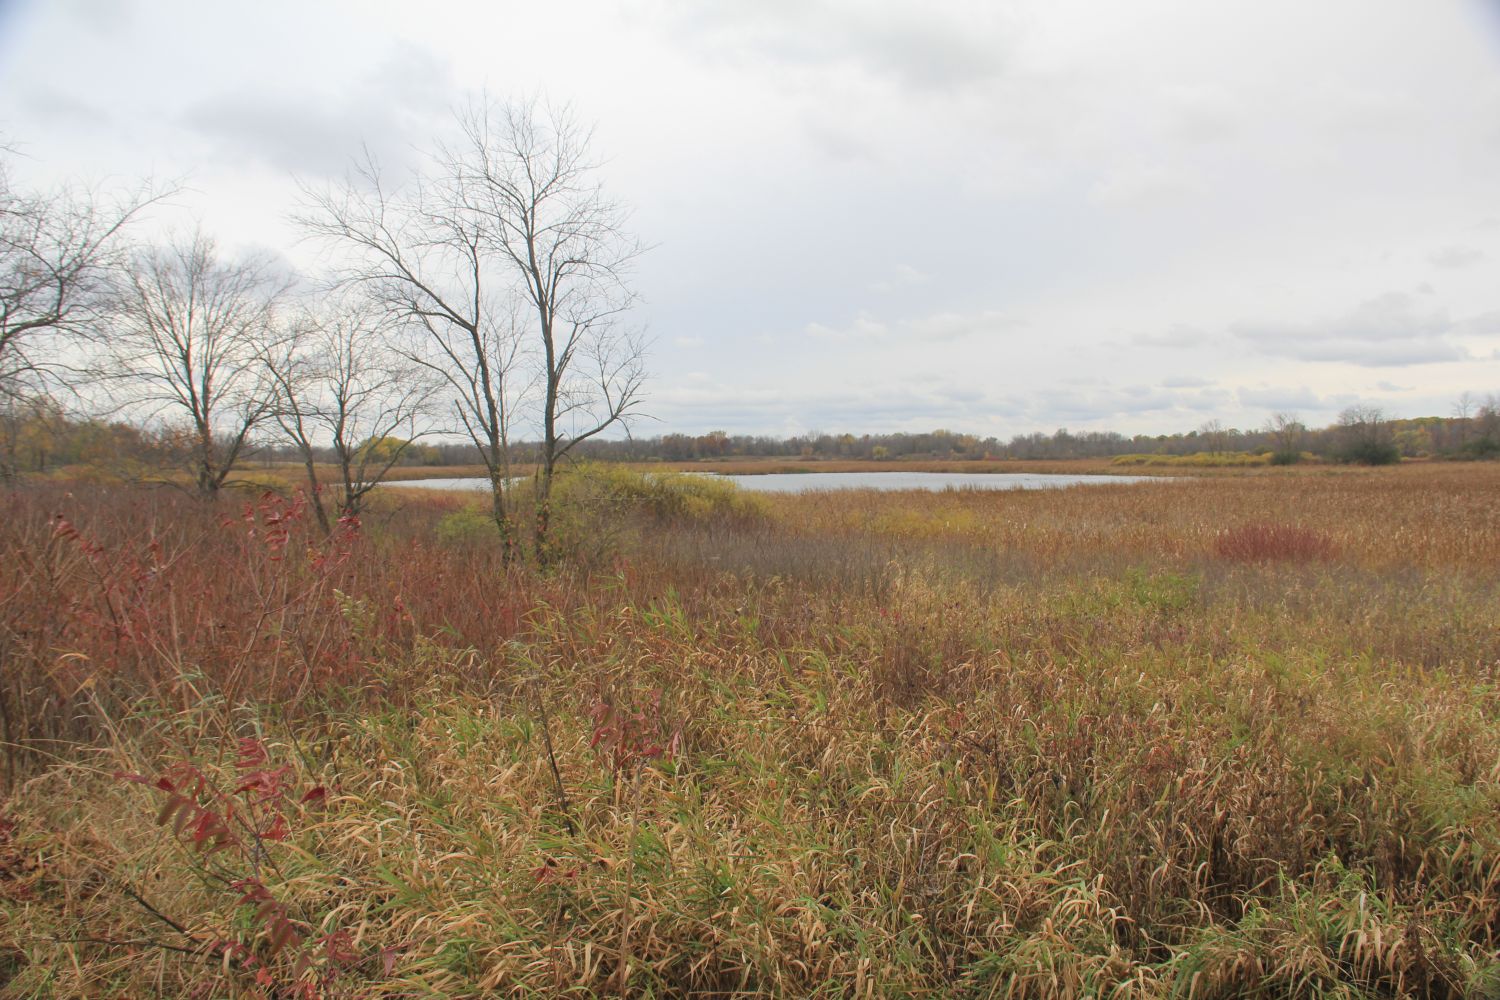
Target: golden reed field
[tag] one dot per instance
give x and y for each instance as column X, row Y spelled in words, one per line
column 1212, row 737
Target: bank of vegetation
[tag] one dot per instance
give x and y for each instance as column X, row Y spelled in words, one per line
column 48, row 438
column 1222, row 737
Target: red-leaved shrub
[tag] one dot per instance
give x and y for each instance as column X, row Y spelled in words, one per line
column 1273, row 542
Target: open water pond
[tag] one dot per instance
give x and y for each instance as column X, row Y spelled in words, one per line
column 805, row 482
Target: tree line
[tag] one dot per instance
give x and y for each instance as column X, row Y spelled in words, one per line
column 1362, row 433
column 48, row 437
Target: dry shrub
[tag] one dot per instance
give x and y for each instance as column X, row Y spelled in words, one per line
column 1273, row 543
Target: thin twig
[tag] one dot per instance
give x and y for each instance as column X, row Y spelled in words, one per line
column 557, row 783
column 141, row 901
column 117, row 943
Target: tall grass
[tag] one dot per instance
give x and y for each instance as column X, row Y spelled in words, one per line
column 967, row 744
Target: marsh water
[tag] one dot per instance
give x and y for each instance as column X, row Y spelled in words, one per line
column 804, row 482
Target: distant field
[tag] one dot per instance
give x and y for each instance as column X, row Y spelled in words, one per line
column 1232, row 736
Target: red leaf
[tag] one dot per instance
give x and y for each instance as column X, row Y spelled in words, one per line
column 174, row 802
column 184, row 815
column 283, row 934
column 252, row 753
column 339, row 948
column 315, row 794
column 206, row 826
column 277, row 830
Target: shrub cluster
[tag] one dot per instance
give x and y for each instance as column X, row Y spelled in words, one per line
column 1273, row 542
column 1201, row 460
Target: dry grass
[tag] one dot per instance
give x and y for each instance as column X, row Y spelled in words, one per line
column 973, row 744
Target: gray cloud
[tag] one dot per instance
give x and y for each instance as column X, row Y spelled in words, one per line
column 1281, row 398
column 1180, row 335
column 737, row 408
column 1391, row 329
column 106, row 18
column 1484, row 324
column 57, row 104
column 1135, row 183
column 838, row 139
column 1454, row 257
column 926, row 47
column 937, row 328
column 1110, row 405
column 399, row 101
column 1371, row 107
column 924, row 403
column 950, row 326
column 1203, row 114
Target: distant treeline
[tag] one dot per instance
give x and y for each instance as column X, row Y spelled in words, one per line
column 38, row 438
column 1360, row 434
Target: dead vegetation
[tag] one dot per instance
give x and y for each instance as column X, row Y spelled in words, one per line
column 1221, row 738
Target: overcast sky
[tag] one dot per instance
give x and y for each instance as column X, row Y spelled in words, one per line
column 995, row 218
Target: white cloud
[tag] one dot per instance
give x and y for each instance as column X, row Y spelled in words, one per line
column 862, row 327
column 902, row 276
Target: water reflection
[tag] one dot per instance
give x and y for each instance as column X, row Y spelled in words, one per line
column 803, row 482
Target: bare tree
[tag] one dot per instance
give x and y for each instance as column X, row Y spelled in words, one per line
column 1486, row 428
column 189, row 330
column 1364, row 436
column 513, row 266
column 57, row 253
column 339, row 379
column 421, row 253
column 1287, row 432
column 1217, row 438
column 1463, row 413
column 526, row 168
